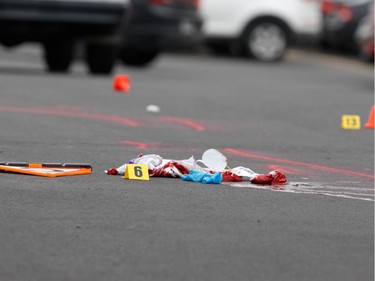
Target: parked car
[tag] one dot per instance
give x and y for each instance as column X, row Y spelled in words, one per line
column 59, row 24
column 340, row 22
column 364, row 36
column 263, row 29
column 160, row 25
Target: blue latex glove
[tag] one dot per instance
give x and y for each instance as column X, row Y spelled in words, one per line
column 197, row 176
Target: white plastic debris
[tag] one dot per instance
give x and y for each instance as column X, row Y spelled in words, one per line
column 214, row 160
column 153, row 108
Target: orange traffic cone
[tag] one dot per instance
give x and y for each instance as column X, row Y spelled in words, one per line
column 121, row 83
column 370, row 122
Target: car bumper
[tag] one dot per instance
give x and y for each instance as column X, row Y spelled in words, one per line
column 163, row 27
column 184, row 33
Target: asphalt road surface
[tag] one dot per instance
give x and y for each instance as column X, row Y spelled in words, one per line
column 286, row 116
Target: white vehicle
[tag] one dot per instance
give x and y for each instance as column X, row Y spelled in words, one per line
column 261, row 28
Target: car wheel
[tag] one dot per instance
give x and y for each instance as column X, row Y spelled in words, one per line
column 58, row 55
column 101, row 58
column 266, row 41
column 138, row 57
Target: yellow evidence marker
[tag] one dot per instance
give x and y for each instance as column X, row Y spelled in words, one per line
column 351, row 122
column 136, row 172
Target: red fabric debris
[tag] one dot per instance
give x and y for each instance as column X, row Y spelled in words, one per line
column 279, row 177
column 274, row 177
column 170, row 170
column 262, row 179
column 112, row 171
column 230, row 177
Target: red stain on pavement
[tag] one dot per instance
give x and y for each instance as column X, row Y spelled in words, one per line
column 74, row 112
column 183, row 121
column 136, row 144
column 58, row 112
column 296, row 163
column 67, row 108
column 158, row 146
column 282, row 169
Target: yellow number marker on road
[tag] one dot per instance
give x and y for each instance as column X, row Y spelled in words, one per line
column 136, row 172
column 351, row 122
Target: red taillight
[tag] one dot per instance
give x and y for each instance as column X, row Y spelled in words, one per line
column 196, row 3
column 330, row 8
column 345, row 13
column 327, row 7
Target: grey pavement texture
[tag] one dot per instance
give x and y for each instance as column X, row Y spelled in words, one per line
column 99, row 227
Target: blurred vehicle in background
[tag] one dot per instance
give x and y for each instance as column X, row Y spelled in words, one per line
column 340, row 22
column 364, row 36
column 159, row 25
column 263, row 29
column 59, row 24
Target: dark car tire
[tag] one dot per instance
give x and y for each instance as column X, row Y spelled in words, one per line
column 58, row 55
column 138, row 57
column 266, row 40
column 101, row 58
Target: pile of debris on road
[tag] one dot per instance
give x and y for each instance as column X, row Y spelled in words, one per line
column 212, row 168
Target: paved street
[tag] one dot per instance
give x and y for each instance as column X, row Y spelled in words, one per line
column 284, row 116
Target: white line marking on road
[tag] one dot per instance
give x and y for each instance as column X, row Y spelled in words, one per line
column 365, row 194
